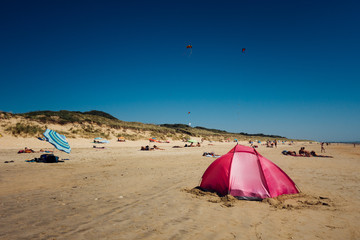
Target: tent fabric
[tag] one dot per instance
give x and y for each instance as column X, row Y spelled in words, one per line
column 245, row 174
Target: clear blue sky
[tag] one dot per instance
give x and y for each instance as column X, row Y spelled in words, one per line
column 298, row 78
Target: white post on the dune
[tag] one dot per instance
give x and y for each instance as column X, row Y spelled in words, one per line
column 189, row 119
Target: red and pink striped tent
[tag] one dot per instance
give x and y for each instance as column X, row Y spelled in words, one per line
column 245, row 174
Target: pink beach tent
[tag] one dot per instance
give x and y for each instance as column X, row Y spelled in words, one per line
column 245, row 174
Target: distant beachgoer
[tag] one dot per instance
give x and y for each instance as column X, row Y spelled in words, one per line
column 322, row 147
column 275, row 143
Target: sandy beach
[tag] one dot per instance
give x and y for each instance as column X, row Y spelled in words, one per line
column 121, row 192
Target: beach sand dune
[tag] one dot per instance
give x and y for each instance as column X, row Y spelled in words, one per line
column 123, row 193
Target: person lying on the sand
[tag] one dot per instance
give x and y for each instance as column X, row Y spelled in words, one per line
column 26, row 150
column 98, row 147
column 315, row 155
column 198, row 144
column 210, row 154
column 291, row 153
column 156, row 147
column 46, row 151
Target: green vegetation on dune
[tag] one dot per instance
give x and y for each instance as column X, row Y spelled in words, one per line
column 21, row 129
column 100, row 113
column 98, row 123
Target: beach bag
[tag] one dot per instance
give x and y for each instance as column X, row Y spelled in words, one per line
column 49, row 158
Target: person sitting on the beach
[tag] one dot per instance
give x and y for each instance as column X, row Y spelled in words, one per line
column 198, row 144
column 303, row 152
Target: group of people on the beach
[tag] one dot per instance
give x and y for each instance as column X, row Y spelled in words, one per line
column 302, row 152
column 29, row 150
column 192, row 145
column 271, row 144
column 148, row 148
column 305, row 153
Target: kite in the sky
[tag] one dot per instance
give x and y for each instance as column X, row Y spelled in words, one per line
column 243, row 50
column 189, row 50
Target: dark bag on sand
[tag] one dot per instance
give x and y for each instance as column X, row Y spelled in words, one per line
column 49, row 158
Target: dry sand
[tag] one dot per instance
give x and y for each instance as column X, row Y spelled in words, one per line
column 123, row 193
